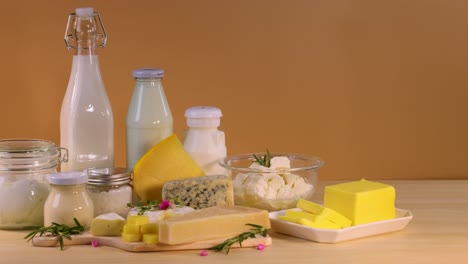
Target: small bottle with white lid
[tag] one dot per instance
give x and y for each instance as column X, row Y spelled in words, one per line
column 204, row 142
column 68, row 199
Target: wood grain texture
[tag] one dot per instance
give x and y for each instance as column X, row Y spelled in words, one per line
column 117, row 242
column 377, row 89
column 437, row 234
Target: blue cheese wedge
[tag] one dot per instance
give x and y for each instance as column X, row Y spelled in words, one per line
column 200, row 192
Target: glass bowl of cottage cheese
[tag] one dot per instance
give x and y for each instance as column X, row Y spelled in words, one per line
column 272, row 181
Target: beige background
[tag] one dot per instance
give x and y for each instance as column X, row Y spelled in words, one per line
column 378, row 89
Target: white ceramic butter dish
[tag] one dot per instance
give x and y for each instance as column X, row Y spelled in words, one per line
column 403, row 217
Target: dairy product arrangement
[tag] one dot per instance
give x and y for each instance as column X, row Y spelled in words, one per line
column 185, row 194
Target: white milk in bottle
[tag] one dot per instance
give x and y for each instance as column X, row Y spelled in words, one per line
column 149, row 118
column 86, row 119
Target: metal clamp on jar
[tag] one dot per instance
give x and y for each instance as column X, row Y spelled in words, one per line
column 110, row 190
column 24, row 165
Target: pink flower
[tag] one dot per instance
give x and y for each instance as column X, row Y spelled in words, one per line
column 164, row 205
column 260, row 246
column 204, row 253
column 94, row 243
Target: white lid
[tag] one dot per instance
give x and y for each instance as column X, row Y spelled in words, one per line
column 84, row 11
column 203, row 116
column 67, row 178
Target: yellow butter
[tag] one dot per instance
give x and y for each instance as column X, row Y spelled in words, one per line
column 309, row 206
column 324, row 223
column 211, row 223
column 107, row 225
column 310, row 220
column 361, row 201
column 131, row 237
column 149, row 228
column 324, row 212
column 166, row 161
column 290, row 219
column 131, row 229
column 301, row 214
column 336, row 217
column 137, row 219
column 150, row 239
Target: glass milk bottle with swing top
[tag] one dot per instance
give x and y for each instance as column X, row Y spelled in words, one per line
column 86, row 119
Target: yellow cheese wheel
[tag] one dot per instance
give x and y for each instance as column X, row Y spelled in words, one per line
column 166, row 161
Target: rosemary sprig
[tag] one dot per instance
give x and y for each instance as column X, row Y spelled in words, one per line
column 58, row 230
column 226, row 245
column 265, row 161
column 143, row 207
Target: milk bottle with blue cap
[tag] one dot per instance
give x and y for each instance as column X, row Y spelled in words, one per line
column 204, row 142
column 149, row 118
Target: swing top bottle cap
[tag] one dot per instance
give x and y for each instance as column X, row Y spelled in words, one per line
column 148, row 73
column 84, row 11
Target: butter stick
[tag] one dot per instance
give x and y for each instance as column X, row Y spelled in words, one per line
column 211, row 223
column 361, row 201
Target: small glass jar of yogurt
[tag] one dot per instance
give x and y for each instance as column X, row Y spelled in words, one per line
column 68, row 199
column 110, row 190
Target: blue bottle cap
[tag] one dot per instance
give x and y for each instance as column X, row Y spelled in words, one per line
column 148, row 73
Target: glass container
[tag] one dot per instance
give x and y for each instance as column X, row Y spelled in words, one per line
column 110, row 190
column 24, row 165
column 275, row 187
column 68, row 199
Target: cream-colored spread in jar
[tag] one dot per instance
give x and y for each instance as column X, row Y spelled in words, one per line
column 68, row 199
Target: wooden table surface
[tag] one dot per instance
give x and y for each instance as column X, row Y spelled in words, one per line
column 438, row 233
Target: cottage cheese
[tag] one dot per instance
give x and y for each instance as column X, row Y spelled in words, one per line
column 269, row 188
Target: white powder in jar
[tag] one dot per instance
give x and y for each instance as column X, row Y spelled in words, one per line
column 22, row 202
column 111, row 199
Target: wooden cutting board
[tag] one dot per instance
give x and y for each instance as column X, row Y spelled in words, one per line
column 86, row 239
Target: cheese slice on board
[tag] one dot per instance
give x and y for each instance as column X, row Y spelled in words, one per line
column 211, row 223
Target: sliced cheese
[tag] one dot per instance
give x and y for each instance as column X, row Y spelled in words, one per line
column 150, row 239
column 324, row 224
column 131, row 237
column 149, row 228
column 131, row 229
column 200, row 192
column 309, row 206
column 308, row 219
column 361, row 201
column 139, row 229
column 324, row 212
column 107, row 225
column 211, row 223
column 137, row 219
column 166, row 161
